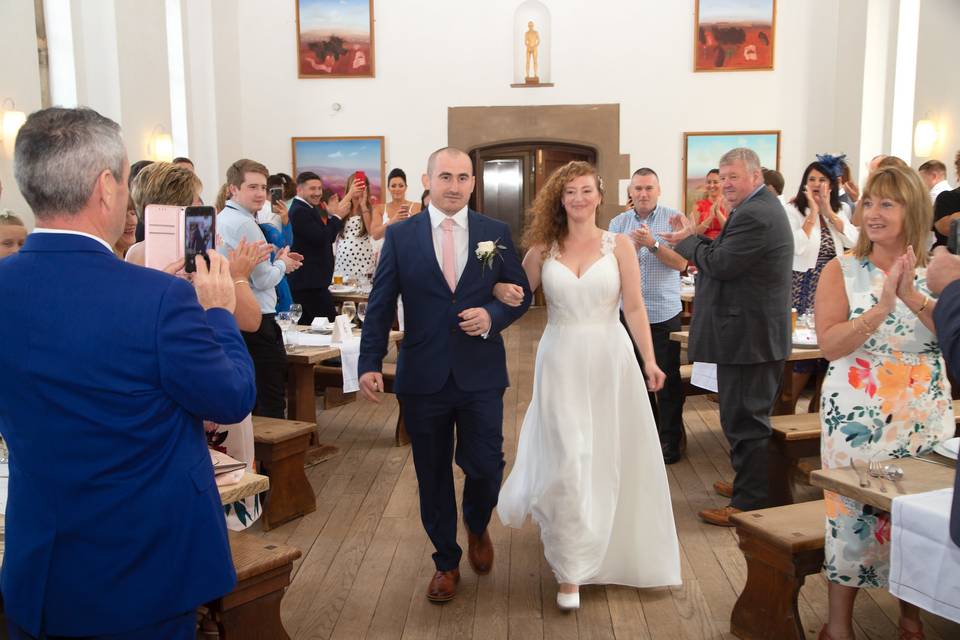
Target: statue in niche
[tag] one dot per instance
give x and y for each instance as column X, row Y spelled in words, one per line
column 532, row 41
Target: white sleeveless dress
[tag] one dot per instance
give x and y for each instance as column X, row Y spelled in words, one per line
column 589, row 469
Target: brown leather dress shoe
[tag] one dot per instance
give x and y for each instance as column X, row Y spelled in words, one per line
column 719, row 517
column 443, row 586
column 723, row 488
column 480, row 552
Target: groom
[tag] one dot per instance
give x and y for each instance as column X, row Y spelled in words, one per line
column 451, row 369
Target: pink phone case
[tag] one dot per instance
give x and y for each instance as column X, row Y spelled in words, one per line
column 164, row 235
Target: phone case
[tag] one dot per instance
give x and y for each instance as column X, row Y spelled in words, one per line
column 163, row 234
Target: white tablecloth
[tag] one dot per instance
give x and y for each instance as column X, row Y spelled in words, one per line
column 924, row 561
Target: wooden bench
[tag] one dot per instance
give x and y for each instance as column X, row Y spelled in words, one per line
column 797, row 436
column 329, row 377
column 686, row 372
column 252, row 610
column 280, row 447
column 782, row 546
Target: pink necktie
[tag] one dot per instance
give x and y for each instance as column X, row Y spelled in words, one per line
column 449, row 261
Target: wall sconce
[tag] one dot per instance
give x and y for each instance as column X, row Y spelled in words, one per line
column 160, row 146
column 12, row 121
column 924, row 137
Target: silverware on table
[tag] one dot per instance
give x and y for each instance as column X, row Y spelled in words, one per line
column 895, row 475
column 876, row 471
column 863, row 479
column 932, row 461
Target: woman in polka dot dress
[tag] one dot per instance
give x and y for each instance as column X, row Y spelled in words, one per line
column 354, row 249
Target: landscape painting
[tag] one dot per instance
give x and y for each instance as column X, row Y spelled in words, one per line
column 334, row 159
column 335, row 38
column 702, row 152
column 734, row 35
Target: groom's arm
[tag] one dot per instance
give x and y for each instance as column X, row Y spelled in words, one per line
column 501, row 315
column 381, row 308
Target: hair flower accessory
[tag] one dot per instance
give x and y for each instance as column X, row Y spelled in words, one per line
column 487, row 250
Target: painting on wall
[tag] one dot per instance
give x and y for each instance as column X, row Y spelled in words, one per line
column 335, row 38
column 734, row 35
column 334, row 159
column 702, row 152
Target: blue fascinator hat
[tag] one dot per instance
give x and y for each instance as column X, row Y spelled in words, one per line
column 834, row 164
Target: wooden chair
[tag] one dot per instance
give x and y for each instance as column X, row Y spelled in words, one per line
column 280, row 447
column 782, row 546
column 252, row 610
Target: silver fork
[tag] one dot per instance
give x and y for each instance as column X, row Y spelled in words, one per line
column 876, row 470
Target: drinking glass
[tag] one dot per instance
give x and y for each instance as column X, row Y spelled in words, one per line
column 349, row 309
column 338, row 279
column 362, row 310
column 296, row 312
column 283, row 320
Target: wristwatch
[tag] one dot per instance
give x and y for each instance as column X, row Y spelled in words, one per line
column 655, row 246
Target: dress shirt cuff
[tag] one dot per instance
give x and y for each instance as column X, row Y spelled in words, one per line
column 282, row 265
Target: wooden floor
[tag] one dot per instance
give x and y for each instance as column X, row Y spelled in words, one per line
column 366, row 560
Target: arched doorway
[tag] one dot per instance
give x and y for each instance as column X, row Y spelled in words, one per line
column 510, row 175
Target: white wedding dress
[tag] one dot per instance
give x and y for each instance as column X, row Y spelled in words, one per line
column 589, row 468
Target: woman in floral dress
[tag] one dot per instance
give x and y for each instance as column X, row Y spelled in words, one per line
column 885, row 394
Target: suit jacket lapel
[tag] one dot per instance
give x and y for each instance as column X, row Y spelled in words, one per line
column 475, row 225
column 425, row 240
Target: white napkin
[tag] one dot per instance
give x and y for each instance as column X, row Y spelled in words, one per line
column 924, row 561
column 349, row 363
column 320, row 323
column 314, row 339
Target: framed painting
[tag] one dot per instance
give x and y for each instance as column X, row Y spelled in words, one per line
column 335, row 38
column 734, row 35
column 702, row 152
column 334, row 159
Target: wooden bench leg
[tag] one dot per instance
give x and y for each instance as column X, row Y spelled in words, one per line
column 767, row 607
column 252, row 610
column 782, row 469
column 290, row 495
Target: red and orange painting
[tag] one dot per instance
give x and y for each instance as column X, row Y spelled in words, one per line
column 335, row 38
column 734, row 35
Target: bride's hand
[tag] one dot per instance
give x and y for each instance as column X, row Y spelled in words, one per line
column 655, row 377
column 509, row 294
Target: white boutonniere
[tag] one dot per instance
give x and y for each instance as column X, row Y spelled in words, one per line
column 488, row 250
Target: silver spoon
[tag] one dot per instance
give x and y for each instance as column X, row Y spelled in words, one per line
column 894, row 474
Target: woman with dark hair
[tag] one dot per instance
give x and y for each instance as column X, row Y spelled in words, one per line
column 424, row 199
column 711, row 212
column 397, row 210
column 821, row 230
column 354, row 250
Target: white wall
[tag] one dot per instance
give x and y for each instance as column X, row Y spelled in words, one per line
column 938, row 92
column 19, row 81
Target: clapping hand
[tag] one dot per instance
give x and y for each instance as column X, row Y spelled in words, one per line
column 888, row 296
column 908, row 266
column 851, row 190
column 509, row 294
column 245, row 256
column 942, row 270
column 683, row 228
column 292, row 260
column 642, row 237
column 655, row 377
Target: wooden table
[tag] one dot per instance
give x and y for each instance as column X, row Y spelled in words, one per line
column 250, row 485
column 786, row 403
column 301, row 396
column 354, row 296
column 918, row 477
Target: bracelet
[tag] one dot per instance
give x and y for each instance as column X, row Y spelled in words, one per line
column 926, row 301
column 241, row 282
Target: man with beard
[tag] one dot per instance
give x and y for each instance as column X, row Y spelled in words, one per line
column 314, row 232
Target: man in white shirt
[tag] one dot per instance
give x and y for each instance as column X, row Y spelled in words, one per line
column 934, row 174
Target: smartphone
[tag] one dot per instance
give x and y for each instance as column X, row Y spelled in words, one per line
column 200, row 231
column 163, row 235
column 276, row 194
column 361, row 178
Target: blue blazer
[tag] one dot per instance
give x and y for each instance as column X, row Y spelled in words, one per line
column 113, row 518
column 946, row 318
column 434, row 346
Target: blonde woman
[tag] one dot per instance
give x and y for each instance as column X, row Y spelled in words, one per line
column 354, row 248
column 886, row 393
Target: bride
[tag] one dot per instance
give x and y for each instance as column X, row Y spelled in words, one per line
column 594, row 483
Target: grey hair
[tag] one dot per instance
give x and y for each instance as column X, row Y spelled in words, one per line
column 749, row 157
column 58, row 155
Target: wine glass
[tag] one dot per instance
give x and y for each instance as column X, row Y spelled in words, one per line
column 296, row 312
column 362, row 310
column 349, row 309
column 283, row 320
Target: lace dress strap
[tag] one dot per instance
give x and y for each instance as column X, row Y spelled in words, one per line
column 608, row 242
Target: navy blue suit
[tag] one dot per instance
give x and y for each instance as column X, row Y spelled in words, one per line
column 444, row 376
column 946, row 318
column 113, row 520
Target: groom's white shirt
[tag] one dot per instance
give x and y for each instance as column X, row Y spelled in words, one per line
column 461, row 236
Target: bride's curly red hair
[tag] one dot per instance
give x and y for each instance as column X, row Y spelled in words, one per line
column 548, row 218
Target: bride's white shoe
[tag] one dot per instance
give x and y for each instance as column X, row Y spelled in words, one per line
column 568, row 601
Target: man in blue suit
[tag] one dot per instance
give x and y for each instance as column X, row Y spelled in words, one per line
column 451, row 369
column 943, row 278
column 114, row 527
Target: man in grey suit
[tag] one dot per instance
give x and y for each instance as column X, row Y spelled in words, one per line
column 742, row 320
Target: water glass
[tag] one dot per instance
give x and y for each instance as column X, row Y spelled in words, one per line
column 296, row 312
column 349, row 309
column 283, row 321
column 362, row 310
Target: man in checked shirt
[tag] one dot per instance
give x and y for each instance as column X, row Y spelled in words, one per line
column 660, row 267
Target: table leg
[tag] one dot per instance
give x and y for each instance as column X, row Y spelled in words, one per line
column 301, row 397
column 787, row 400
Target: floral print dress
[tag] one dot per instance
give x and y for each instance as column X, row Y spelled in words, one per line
column 888, row 399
